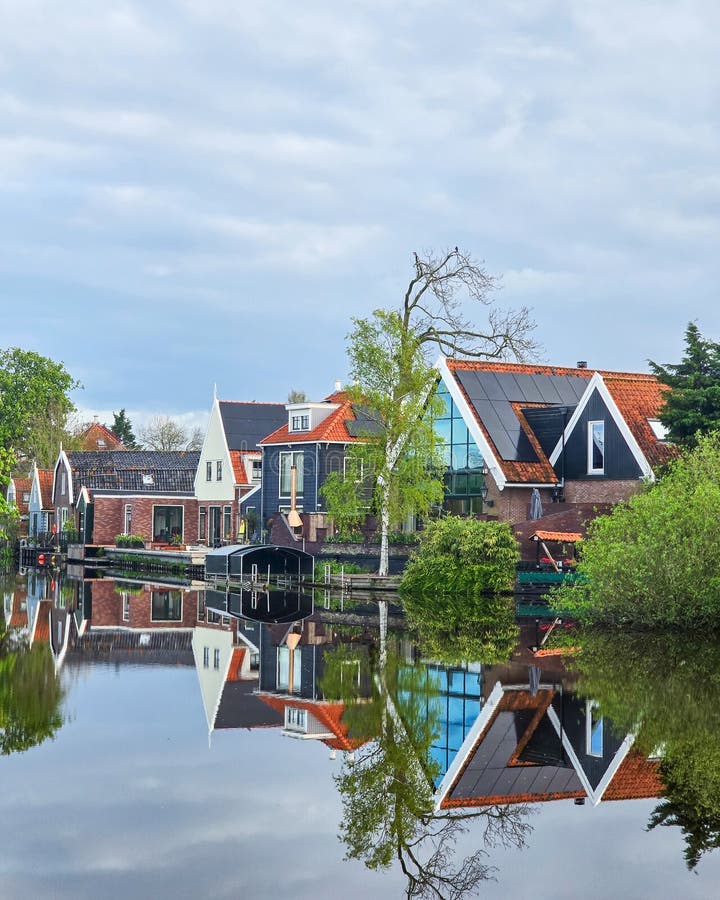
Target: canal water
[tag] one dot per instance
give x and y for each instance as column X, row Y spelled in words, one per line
column 159, row 741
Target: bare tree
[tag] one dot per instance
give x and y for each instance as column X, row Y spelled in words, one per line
column 297, row 396
column 164, row 433
column 391, row 367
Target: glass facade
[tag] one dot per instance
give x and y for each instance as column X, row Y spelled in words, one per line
column 463, row 460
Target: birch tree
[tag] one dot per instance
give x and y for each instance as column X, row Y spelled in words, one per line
column 391, row 355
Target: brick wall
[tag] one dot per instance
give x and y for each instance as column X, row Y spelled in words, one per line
column 110, row 516
column 108, row 607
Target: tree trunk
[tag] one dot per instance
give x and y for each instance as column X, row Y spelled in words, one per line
column 384, row 526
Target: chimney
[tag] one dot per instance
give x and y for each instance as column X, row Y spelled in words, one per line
column 338, row 385
column 582, row 364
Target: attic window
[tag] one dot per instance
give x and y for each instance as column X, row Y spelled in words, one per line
column 148, row 479
column 26, row 497
column 658, row 429
column 300, row 422
column 295, row 719
column 101, row 442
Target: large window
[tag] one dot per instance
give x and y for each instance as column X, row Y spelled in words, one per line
column 463, row 461
column 167, row 523
column 202, row 523
column 227, row 530
column 593, row 729
column 596, row 448
column 166, row 606
column 287, row 461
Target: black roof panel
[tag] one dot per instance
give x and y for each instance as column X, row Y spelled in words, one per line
column 246, row 424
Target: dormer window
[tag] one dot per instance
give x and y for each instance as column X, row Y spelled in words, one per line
column 300, row 422
column 147, row 480
column 101, row 442
column 296, row 719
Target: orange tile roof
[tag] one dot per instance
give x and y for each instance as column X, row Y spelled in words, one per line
column 45, row 478
column 22, row 486
column 238, row 467
column 41, row 628
column 565, row 537
column 236, row 661
column 332, row 429
column 96, row 432
column 638, row 400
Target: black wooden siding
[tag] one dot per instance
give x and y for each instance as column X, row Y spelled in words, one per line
column 319, row 461
column 619, row 461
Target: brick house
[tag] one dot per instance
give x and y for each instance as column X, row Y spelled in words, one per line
column 142, row 492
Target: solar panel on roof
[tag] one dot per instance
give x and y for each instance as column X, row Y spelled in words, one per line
column 491, row 385
column 472, row 385
column 509, row 385
column 547, row 388
column 531, row 393
column 571, row 388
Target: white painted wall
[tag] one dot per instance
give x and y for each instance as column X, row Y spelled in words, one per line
column 215, row 448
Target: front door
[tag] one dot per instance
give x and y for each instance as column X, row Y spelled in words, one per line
column 214, row 536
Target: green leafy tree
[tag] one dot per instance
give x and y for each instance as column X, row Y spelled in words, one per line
column 663, row 687
column 656, row 559
column 34, row 399
column 692, row 406
column 392, row 372
column 8, row 514
column 122, row 427
column 30, row 697
column 455, row 590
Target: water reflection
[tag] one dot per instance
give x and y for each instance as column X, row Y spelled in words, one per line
column 30, row 692
column 437, row 763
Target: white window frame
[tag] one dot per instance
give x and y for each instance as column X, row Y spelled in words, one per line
column 590, row 706
column 296, row 719
column 300, row 421
column 226, row 526
column 218, row 470
column 202, row 523
column 292, row 456
column 349, row 458
column 127, row 519
column 208, row 470
column 590, row 447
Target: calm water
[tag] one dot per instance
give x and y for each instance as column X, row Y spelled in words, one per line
column 158, row 748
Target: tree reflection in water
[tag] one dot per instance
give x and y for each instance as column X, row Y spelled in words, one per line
column 30, row 693
column 665, row 687
column 387, row 784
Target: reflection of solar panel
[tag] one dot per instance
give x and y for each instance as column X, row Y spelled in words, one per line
column 491, row 393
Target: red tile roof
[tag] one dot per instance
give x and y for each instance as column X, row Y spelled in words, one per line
column 22, row 487
column 640, row 398
column 637, row 778
column 97, row 437
column 45, row 478
column 332, row 429
column 236, row 663
column 41, row 627
column 564, row 537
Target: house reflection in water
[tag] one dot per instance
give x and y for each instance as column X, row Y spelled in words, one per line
column 536, row 740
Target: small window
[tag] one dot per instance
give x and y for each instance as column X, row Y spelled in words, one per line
column 206, row 657
column 148, row 480
column 202, row 523
column 658, row 429
column 218, row 470
column 63, row 483
column 101, row 442
column 257, row 470
column 300, row 422
column 208, row 471
column 227, row 533
column 216, row 658
column 26, row 497
column 596, row 448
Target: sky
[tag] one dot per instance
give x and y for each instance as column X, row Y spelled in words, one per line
column 201, row 193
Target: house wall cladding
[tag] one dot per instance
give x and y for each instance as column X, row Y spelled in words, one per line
column 619, row 461
column 513, row 504
column 319, row 461
column 600, row 491
column 110, row 516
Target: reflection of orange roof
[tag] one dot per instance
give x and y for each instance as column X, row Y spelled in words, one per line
column 238, row 467
column 18, row 614
column 45, row 479
column 41, row 628
column 563, row 537
column 236, row 662
column 332, row 428
column 637, row 778
column 328, row 714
